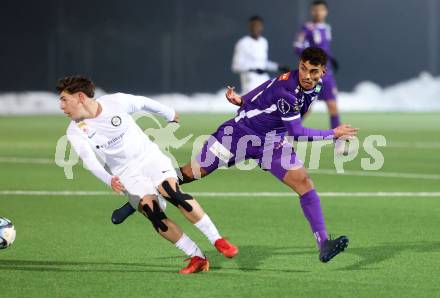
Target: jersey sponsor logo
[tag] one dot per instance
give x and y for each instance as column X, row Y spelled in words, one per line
column 284, row 76
column 116, row 121
column 283, row 106
column 111, row 143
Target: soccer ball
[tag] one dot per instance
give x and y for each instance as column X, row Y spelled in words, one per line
column 7, row 233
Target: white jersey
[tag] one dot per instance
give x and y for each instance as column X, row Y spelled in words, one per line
column 252, row 54
column 114, row 135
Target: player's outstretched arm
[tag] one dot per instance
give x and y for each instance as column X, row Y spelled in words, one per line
column 298, row 131
column 295, row 129
column 89, row 159
column 237, row 100
column 135, row 104
column 345, row 131
column 93, row 165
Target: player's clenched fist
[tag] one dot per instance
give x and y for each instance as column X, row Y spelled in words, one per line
column 233, row 97
column 117, row 185
column 345, row 130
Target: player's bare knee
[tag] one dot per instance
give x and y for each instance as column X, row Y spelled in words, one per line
column 151, row 209
column 308, row 184
column 298, row 180
column 176, row 197
column 302, row 181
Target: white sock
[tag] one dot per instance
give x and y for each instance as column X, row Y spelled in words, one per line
column 206, row 226
column 188, row 246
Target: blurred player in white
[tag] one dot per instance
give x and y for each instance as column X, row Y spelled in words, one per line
column 135, row 165
column 251, row 57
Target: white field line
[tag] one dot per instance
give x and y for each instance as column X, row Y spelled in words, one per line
column 378, row 174
column 417, row 145
column 224, row 194
column 27, row 160
column 30, row 145
column 26, row 145
column 48, row 161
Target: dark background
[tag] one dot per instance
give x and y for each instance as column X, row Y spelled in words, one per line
column 186, row 46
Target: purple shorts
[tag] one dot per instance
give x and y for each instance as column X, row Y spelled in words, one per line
column 233, row 143
column 329, row 88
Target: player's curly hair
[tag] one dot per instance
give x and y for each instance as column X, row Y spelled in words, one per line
column 73, row 84
column 314, row 55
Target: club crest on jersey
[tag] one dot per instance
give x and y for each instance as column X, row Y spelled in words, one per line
column 318, row 88
column 116, row 121
column 283, row 106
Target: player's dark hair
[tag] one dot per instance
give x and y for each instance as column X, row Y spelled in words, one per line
column 256, row 18
column 315, row 56
column 73, row 84
column 319, row 2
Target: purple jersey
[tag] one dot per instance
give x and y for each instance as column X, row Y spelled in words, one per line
column 314, row 35
column 257, row 132
column 278, row 105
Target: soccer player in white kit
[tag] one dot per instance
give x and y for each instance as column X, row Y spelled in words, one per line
column 136, row 166
column 250, row 58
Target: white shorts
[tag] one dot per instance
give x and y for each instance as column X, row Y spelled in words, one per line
column 146, row 178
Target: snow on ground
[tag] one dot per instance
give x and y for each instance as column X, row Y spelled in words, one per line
column 418, row 94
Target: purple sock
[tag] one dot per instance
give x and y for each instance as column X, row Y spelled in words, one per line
column 311, row 207
column 334, row 121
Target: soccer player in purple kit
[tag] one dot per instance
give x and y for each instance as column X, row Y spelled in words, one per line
column 265, row 116
column 317, row 33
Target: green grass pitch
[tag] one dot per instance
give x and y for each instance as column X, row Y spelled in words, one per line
column 66, row 246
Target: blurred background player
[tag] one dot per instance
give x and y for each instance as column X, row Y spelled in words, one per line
column 250, row 58
column 317, row 33
column 135, row 164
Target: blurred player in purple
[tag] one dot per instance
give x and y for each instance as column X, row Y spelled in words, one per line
column 317, row 33
column 258, row 131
